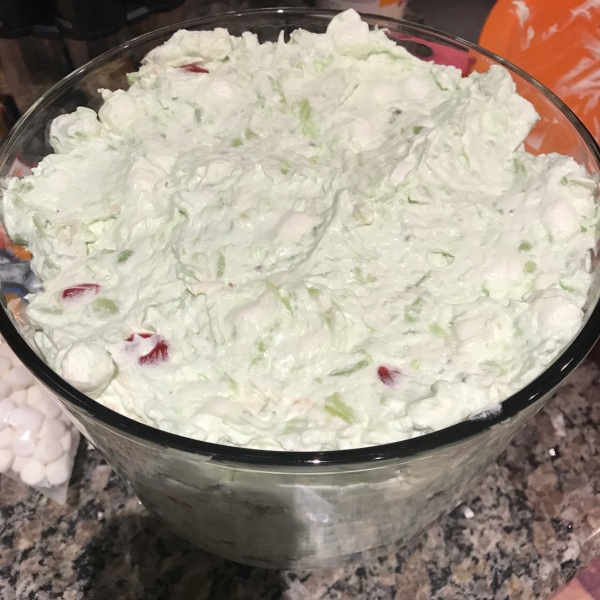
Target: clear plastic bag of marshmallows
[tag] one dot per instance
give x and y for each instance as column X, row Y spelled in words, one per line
column 38, row 441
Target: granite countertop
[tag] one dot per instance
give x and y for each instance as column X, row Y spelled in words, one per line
column 523, row 531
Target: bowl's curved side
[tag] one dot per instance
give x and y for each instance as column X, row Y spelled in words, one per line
column 300, row 517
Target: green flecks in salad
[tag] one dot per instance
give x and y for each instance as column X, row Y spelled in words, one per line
column 124, row 255
column 361, row 364
column 525, row 247
column 273, row 288
column 329, row 317
column 493, row 367
column 412, row 311
column 221, row 264
column 567, row 288
column 286, row 167
column 530, row 266
column 295, row 426
column 437, row 330
column 259, row 354
column 105, row 307
column 309, row 129
column 361, row 278
column 336, row 407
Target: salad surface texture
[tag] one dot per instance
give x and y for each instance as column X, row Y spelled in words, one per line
column 314, row 244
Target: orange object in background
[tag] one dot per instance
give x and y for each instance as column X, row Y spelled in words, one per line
column 558, row 43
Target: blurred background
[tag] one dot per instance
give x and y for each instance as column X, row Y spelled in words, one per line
column 41, row 41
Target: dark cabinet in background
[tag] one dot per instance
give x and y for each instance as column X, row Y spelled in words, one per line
column 41, row 41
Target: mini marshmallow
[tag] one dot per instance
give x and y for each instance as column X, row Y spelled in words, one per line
column 23, row 443
column 6, row 409
column 27, row 418
column 5, row 365
column 19, row 397
column 32, row 472
column 6, row 436
column 5, row 389
column 53, row 429
column 6, row 460
column 66, row 441
column 58, row 471
column 19, row 378
column 35, row 394
column 18, row 463
column 48, row 451
column 49, row 407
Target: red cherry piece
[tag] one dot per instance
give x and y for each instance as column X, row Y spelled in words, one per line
column 193, row 68
column 142, row 335
column 158, row 354
column 388, row 376
column 79, row 290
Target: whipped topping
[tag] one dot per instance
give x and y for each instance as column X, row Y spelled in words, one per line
column 312, row 244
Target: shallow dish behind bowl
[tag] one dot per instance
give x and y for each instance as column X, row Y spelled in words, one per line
column 299, row 510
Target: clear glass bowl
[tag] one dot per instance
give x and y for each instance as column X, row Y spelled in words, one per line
column 297, row 509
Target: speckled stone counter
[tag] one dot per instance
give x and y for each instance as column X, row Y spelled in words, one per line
column 522, row 532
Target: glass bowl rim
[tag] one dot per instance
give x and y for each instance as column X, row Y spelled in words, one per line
column 540, row 387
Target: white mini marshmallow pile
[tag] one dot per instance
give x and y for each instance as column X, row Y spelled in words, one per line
column 38, row 442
